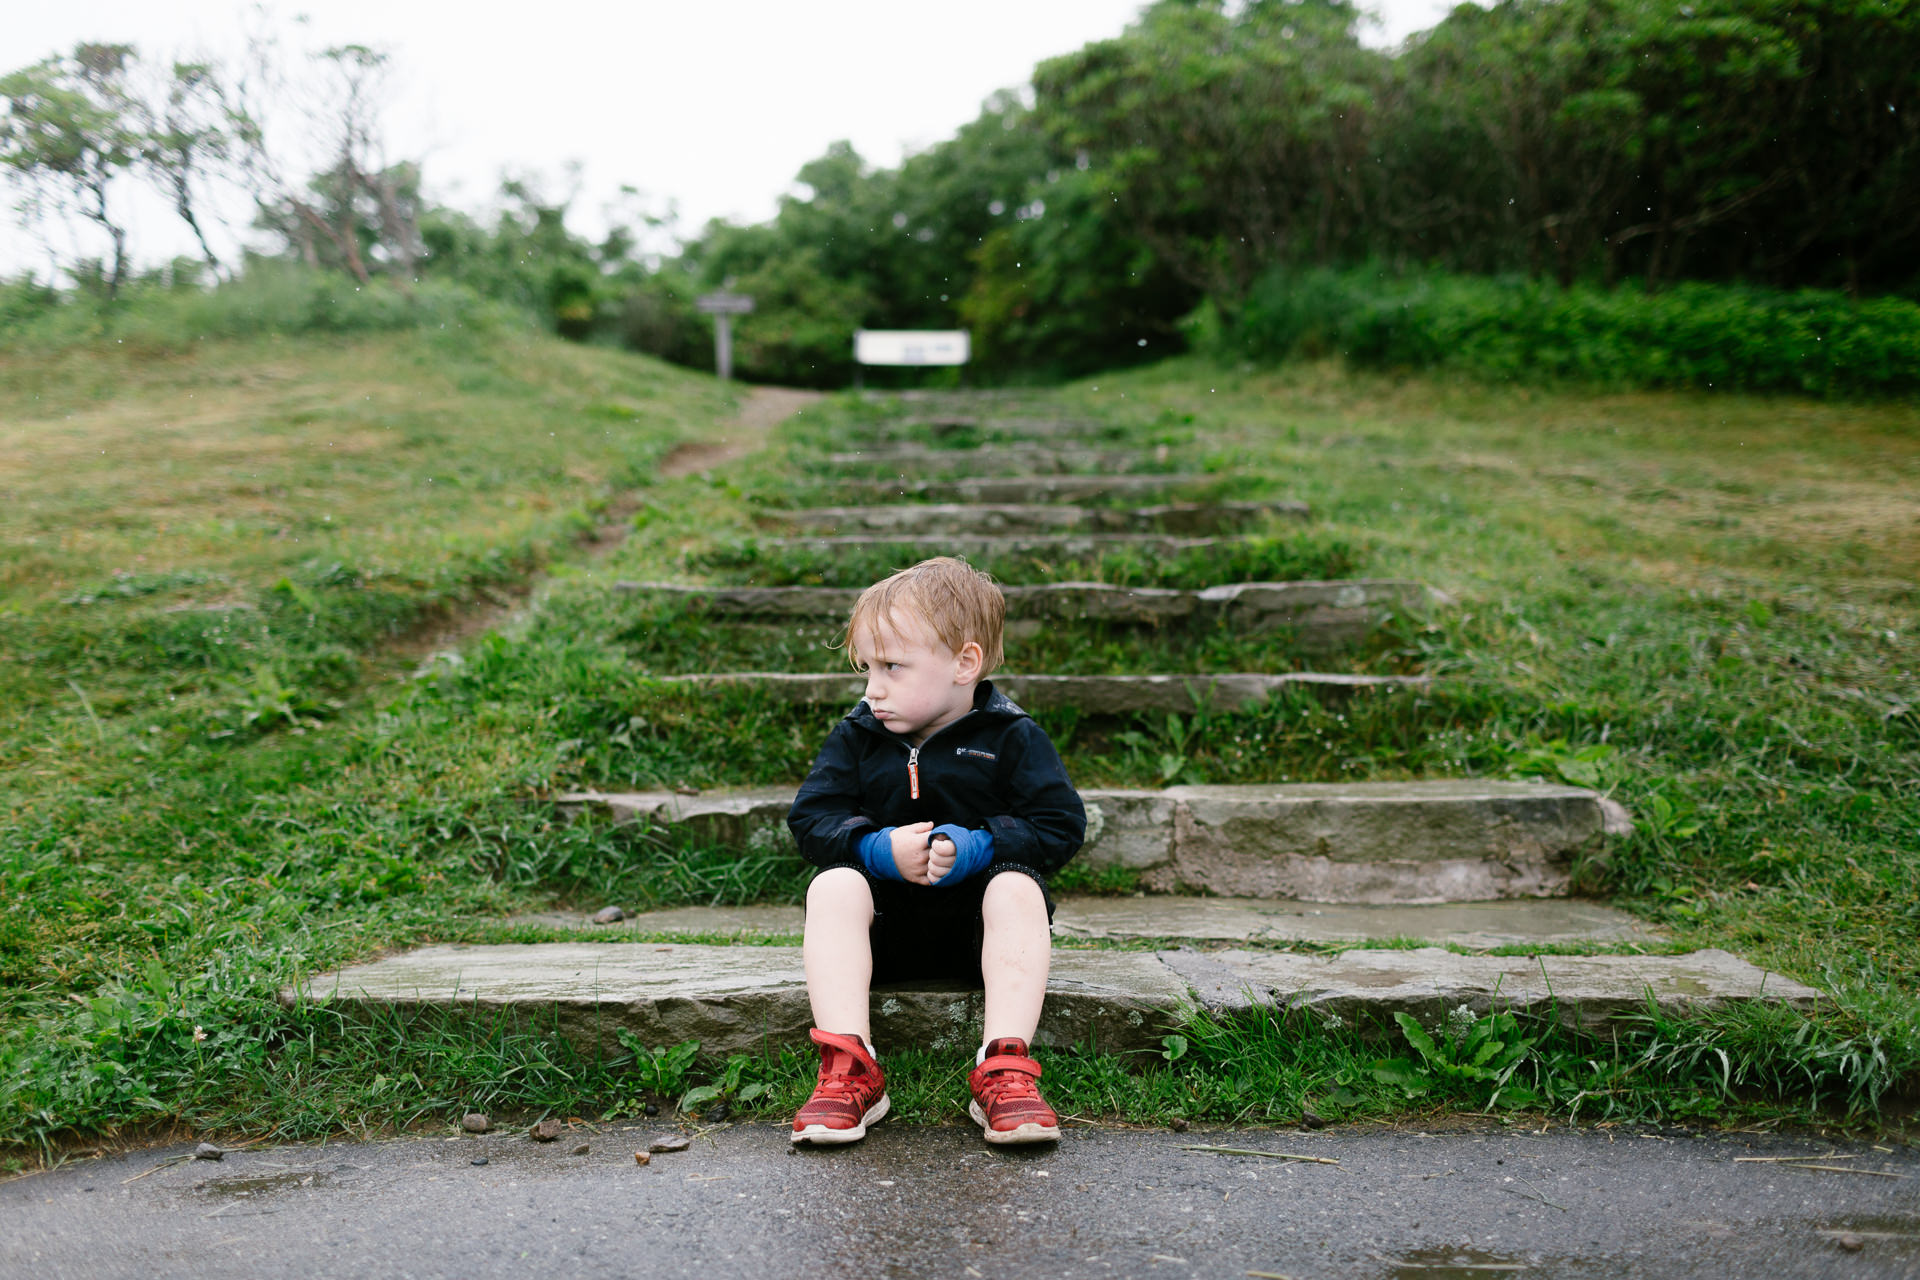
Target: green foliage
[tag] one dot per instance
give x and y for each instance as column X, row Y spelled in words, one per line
column 1693, row 335
column 1068, row 288
column 1482, row 1050
column 154, row 314
column 531, row 260
column 1224, row 140
column 732, row 1090
column 68, row 136
column 661, row 1071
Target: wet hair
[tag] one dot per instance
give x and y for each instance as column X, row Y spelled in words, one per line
column 955, row 601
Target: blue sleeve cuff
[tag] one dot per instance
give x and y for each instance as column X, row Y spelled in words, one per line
column 973, row 850
column 876, row 854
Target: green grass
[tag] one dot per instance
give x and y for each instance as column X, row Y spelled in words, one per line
column 221, row 771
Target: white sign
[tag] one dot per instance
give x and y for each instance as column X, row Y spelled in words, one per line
column 724, row 304
column 911, row 346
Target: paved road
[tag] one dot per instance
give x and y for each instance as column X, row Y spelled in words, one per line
column 914, row 1202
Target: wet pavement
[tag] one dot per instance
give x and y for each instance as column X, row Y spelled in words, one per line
column 936, row 1202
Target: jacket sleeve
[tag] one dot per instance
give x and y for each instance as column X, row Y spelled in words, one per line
column 826, row 820
column 1044, row 823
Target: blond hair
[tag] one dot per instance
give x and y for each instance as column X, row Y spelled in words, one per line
column 956, row 601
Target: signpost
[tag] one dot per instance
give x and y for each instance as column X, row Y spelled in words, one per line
column 723, row 306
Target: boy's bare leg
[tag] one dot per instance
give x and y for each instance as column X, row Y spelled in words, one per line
column 838, row 957
column 1013, row 955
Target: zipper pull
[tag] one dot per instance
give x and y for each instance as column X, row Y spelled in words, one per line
column 913, row 774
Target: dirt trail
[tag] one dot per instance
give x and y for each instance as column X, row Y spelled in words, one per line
column 761, row 410
column 765, row 409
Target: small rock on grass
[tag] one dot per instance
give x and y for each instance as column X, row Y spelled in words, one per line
column 207, row 1151
column 652, row 1110
column 1313, row 1120
column 666, row 1144
column 546, row 1131
column 609, row 915
column 475, row 1122
column 582, row 1149
column 1178, row 1124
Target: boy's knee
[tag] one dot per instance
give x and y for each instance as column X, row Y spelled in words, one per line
column 840, row 888
column 1013, row 891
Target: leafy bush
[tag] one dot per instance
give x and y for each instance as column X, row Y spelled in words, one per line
column 156, row 314
column 1693, row 335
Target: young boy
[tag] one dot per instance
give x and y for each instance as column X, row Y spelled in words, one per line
column 936, row 810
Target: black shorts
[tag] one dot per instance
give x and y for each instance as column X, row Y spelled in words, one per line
column 923, row 934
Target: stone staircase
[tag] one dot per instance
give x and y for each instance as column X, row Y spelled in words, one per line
column 1251, row 893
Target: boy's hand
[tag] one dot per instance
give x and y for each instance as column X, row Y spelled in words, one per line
column 941, row 855
column 910, row 852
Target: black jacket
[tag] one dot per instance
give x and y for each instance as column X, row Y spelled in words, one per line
column 993, row 768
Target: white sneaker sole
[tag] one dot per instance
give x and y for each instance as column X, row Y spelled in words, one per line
column 820, row 1134
column 1012, row 1137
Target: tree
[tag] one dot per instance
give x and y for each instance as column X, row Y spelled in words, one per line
column 185, row 143
column 1229, row 141
column 359, row 210
column 67, row 136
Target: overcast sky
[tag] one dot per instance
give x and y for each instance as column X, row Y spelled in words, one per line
column 713, row 105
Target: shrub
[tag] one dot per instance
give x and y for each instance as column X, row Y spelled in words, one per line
column 1693, row 335
column 269, row 297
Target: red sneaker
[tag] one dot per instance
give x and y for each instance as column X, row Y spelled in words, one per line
column 851, row 1094
column 1006, row 1096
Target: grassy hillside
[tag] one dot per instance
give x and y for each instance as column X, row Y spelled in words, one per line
column 231, row 755
column 215, row 566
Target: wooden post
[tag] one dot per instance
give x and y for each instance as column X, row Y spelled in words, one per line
column 723, row 306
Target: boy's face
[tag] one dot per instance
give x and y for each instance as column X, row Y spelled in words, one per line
column 916, row 686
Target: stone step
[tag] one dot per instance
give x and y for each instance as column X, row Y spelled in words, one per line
column 749, row 999
column 1323, row 616
column 945, row 519
column 1055, row 548
column 987, row 459
column 947, row 424
column 1035, row 488
column 1096, row 695
column 1558, row 923
column 1377, row 843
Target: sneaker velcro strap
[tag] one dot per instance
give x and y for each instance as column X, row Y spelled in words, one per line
column 1026, row 1066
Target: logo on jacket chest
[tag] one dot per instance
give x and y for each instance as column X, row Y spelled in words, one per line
column 974, row 753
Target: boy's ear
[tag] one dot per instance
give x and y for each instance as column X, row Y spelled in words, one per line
column 971, row 659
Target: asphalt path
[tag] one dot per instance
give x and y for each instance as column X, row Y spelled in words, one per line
column 936, row 1202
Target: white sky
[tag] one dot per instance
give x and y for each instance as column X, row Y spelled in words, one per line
column 713, row 105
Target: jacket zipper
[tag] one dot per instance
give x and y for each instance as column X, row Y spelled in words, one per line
column 913, row 759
